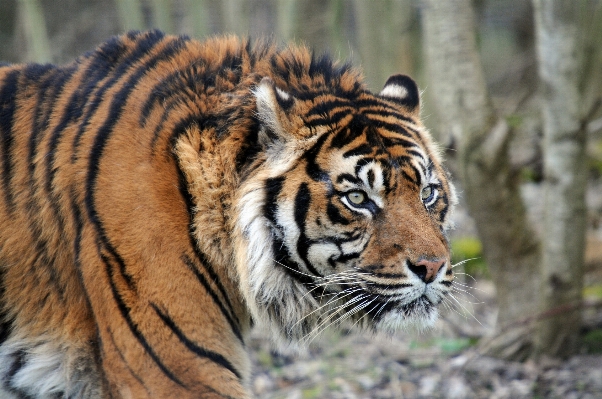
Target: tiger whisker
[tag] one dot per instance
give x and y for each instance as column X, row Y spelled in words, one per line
column 340, row 295
column 465, row 274
column 323, row 326
column 344, row 316
column 464, row 307
column 353, row 300
column 466, row 292
column 460, row 263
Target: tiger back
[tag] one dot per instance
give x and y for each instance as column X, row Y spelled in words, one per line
column 160, row 195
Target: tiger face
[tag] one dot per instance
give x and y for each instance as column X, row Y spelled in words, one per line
column 347, row 215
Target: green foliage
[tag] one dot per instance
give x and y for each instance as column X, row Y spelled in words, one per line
column 528, row 174
column 470, row 251
column 592, row 341
column 514, row 121
column 311, row 393
column 447, row 345
column 594, row 158
column 455, row 345
column 593, row 291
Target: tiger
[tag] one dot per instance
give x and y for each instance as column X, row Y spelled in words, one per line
column 161, row 196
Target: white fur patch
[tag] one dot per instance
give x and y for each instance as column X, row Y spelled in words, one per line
column 393, row 322
column 283, row 95
column 42, row 368
column 267, row 107
column 394, row 91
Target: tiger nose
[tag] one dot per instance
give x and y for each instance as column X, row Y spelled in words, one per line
column 426, row 269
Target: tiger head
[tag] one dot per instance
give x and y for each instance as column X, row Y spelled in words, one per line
column 345, row 217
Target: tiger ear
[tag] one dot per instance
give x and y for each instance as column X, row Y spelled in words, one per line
column 272, row 106
column 403, row 90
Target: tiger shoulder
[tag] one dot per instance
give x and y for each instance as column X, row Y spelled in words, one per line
column 159, row 195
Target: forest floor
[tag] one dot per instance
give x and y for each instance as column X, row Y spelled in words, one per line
column 442, row 363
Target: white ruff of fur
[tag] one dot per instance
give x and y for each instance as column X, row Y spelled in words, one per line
column 262, row 282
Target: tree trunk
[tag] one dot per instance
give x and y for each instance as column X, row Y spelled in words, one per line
column 130, row 14
column 490, row 187
column 33, row 25
column 565, row 173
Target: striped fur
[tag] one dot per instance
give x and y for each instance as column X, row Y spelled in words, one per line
column 158, row 194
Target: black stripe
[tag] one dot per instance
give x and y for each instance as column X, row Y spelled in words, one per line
column 381, row 286
column 383, row 305
column 282, row 258
column 143, row 46
column 46, row 97
column 347, row 135
column 6, row 322
column 332, row 119
column 18, row 363
column 410, row 178
column 273, row 187
column 193, row 347
column 201, row 257
column 8, row 103
column 443, row 211
column 361, row 163
column 44, row 261
column 205, row 283
column 381, row 107
column 362, row 149
column 44, row 77
column 335, row 215
column 371, row 178
column 313, row 170
column 125, row 313
column 418, row 175
column 348, row 177
column 325, row 107
column 400, row 130
column 302, row 203
column 385, row 113
column 98, row 68
column 417, row 155
column 60, row 79
column 102, row 136
column 78, row 226
column 396, row 141
column 125, row 362
column 344, row 258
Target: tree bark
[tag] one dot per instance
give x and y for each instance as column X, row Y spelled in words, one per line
column 490, row 187
column 565, row 173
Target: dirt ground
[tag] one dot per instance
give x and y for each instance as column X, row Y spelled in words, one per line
column 442, row 363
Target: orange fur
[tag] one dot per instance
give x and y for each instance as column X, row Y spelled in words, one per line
column 143, row 190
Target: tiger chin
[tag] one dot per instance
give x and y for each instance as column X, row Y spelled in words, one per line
column 160, row 195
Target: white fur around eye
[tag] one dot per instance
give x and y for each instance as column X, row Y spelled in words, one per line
column 354, row 207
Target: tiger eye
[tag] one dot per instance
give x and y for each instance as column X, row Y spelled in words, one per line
column 426, row 193
column 356, row 197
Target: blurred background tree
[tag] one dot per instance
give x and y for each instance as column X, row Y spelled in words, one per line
column 539, row 280
column 491, row 71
